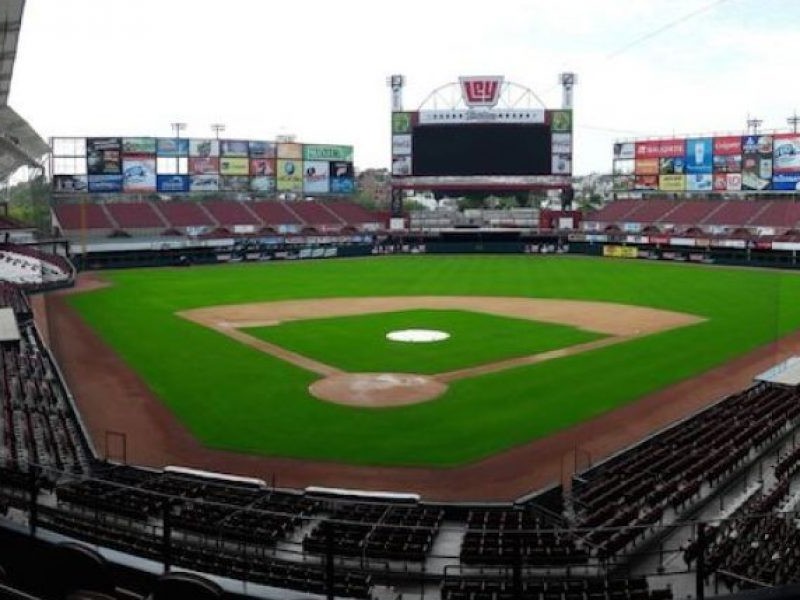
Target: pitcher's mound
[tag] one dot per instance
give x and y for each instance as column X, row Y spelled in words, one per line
column 376, row 390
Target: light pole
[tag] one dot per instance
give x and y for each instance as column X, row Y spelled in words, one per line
column 794, row 121
column 753, row 124
column 217, row 128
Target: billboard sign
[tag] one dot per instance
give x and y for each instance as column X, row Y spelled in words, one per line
column 756, row 162
column 699, row 182
column 786, row 153
column 262, row 184
column 103, row 156
column 660, row 149
column 290, row 150
column 624, row 151
column 646, row 166
column 204, row 183
column 481, row 91
column 403, row 122
column 203, row 165
column 316, row 176
column 139, row 174
column 561, row 164
column 727, row 163
column 341, row 176
column 560, row 120
column 699, row 155
column 234, row 148
column 672, row 183
column 401, row 144
column 172, row 147
column 234, row 183
column 70, row 184
column 234, row 165
column 401, row 166
column 139, row 145
column 671, row 166
column 290, row 175
column 328, row 152
column 646, row 182
column 203, row 148
column 262, row 149
column 561, row 143
column 262, row 167
column 105, row 184
column 172, row 183
column 727, row 146
column 786, row 182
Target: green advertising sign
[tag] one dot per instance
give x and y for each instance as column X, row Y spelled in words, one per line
column 327, row 152
column 561, row 120
column 401, row 122
column 139, row 145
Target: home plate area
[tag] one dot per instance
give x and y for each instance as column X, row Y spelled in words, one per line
column 374, row 390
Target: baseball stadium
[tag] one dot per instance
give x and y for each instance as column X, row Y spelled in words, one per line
column 223, row 377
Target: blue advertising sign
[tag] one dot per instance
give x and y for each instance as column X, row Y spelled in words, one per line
column 342, row 180
column 172, row 183
column 173, row 147
column 699, row 182
column 106, row 184
column 699, row 155
column 786, row 182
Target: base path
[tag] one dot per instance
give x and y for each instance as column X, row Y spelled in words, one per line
column 111, row 397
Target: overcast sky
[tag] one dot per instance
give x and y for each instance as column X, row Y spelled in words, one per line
column 317, row 68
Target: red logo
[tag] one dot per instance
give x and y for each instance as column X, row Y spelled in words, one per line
column 481, row 91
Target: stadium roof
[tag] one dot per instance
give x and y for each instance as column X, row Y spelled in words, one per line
column 20, row 145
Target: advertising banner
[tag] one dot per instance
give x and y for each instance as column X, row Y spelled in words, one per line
column 203, row 183
column 262, row 167
column 70, row 184
column 401, row 144
column 316, row 176
column 660, row 149
column 560, row 120
column 290, row 150
column 720, row 182
column 624, row 167
column 341, row 176
column 561, row 164
column 672, row 183
column 403, row 122
column 290, row 175
column 756, row 162
column 728, row 163
column 234, row 183
column 647, row 182
column 624, row 183
column 401, row 166
column 172, row 147
column 699, row 155
column 646, row 166
column 561, row 143
column 699, row 182
column 172, row 183
column 262, row 184
column 203, row 165
column 734, row 182
column 786, row 182
column 107, row 184
column 203, row 148
column 234, row 148
column 139, row 145
column 624, row 151
column 234, row 166
column 328, row 152
column 103, row 156
column 262, row 149
column 726, row 146
column 620, row 251
column 786, row 153
column 671, row 166
column 139, row 174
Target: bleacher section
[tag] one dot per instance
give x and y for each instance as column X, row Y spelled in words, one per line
column 771, row 217
column 31, row 268
column 154, row 218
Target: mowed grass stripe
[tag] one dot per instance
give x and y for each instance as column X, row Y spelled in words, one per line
column 358, row 344
column 238, row 398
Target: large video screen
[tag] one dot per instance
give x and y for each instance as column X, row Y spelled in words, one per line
column 482, row 149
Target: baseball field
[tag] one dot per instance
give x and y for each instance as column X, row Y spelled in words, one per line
column 537, row 344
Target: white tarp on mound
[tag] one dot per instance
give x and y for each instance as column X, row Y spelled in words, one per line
column 785, row 373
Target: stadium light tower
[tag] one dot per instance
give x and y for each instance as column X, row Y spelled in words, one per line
column 753, row 124
column 177, row 128
column 217, row 128
column 567, row 81
column 794, row 121
column 396, row 83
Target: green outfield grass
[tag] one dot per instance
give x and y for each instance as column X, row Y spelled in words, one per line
column 238, row 398
column 358, row 344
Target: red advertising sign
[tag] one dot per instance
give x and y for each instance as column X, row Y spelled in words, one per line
column 720, row 182
column 262, row 167
column 646, row 182
column 204, row 165
column 727, row 146
column 481, row 91
column 646, row 166
column 660, row 149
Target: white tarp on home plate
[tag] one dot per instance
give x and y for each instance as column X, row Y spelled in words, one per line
column 785, row 373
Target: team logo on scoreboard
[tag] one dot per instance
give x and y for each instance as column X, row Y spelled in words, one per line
column 481, row 91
